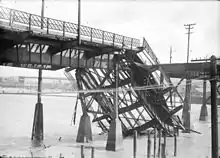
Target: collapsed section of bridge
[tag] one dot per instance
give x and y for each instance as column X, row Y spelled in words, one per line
column 142, row 99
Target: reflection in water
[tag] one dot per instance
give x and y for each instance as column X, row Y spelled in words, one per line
column 37, row 148
column 36, row 143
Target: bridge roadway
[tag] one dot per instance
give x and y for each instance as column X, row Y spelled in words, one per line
column 24, row 44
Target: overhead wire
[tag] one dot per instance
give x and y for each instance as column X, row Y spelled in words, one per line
column 120, row 89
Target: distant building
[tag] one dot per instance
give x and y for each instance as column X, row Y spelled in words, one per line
column 32, row 83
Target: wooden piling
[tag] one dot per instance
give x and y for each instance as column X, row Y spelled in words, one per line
column 177, row 131
column 92, row 152
column 165, row 139
column 135, row 144
column 61, row 156
column 82, row 152
column 163, row 146
column 163, row 151
column 175, row 147
column 155, row 132
column 148, row 146
column 159, row 142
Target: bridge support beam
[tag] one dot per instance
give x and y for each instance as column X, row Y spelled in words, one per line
column 204, row 112
column 37, row 130
column 115, row 137
column 187, row 107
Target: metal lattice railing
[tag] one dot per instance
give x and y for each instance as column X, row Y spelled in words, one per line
column 31, row 21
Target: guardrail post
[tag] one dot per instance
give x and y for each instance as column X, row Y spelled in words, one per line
column 131, row 43
column 113, row 39
column 123, row 41
column 48, row 25
column 10, row 17
column 29, row 22
column 103, row 35
column 91, row 34
column 63, row 28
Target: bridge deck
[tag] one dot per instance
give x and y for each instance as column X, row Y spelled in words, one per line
column 55, row 46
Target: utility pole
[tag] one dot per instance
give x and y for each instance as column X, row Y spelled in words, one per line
column 78, row 31
column 42, row 14
column 214, row 108
column 171, row 100
column 189, row 27
column 170, row 54
column 187, row 101
column 79, row 21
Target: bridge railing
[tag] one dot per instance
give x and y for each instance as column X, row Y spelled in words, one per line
column 52, row 26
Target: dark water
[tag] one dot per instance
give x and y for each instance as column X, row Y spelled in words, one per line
column 16, row 118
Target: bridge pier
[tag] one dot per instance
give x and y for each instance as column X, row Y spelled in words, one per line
column 84, row 134
column 204, row 112
column 84, row 130
column 187, row 106
column 37, row 130
column 115, row 137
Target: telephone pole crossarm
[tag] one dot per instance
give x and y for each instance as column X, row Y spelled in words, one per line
column 189, row 28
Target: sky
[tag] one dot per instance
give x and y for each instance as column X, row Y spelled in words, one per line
column 160, row 22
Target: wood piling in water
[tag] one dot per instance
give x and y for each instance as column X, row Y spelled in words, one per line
column 135, row 144
column 92, row 152
column 163, row 146
column 82, row 152
column 175, row 147
column 155, row 132
column 148, row 146
column 159, row 142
